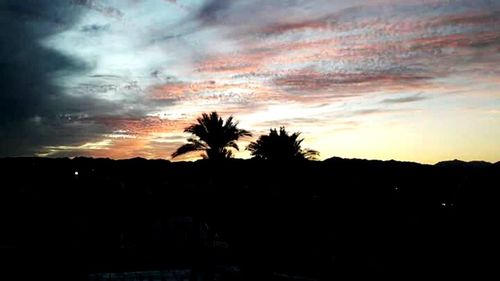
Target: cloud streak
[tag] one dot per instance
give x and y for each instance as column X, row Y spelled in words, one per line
column 407, row 99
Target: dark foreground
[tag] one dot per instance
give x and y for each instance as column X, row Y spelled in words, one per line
column 99, row 219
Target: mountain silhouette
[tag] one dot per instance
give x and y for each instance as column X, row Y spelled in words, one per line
column 460, row 163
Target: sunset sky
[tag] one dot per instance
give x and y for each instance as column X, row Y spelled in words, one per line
column 408, row 80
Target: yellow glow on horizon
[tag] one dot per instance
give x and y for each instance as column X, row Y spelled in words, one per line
column 99, row 145
column 428, row 139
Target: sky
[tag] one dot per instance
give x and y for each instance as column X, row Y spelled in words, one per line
column 412, row 80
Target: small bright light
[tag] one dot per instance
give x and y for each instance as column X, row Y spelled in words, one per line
column 443, row 204
column 76, row 173
column 396, row 189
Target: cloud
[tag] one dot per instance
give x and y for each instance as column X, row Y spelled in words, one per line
column 210, row 12
column 407, row 99
column 94, row 28
column 35, row 110
column 87, row 147
column 26, row 68
column 359, row 47
column 360, row 82
column 99, row 7
column 84, row 71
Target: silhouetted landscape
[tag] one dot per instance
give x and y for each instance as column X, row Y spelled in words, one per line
column 245, row 219
column 198, row 140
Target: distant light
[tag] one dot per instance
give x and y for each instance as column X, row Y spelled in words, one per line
column 396, row 188
column 443, row 204
column 76, row 173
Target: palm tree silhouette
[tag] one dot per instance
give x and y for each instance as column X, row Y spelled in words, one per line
column 280, row 146
column 212, row 135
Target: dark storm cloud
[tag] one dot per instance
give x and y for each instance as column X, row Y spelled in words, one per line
column 210, row 12
column 33, row 111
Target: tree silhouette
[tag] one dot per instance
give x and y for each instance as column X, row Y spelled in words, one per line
column 212, row 135
column 280, row 146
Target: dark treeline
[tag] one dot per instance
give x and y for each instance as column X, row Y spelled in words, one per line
column 323, row 220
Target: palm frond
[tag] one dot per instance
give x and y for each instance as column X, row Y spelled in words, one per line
column 234, row 145
column 310, row 154
column 244, row 133
column 193, row 145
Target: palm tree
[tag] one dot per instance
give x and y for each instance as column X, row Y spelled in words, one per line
column 280, row 146
column 212, row 135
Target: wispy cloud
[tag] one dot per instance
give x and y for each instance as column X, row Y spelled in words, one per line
column 407, row 99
